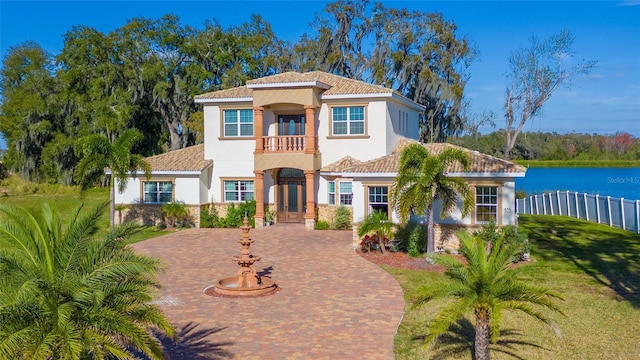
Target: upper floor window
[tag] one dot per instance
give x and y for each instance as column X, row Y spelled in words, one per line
column 347, row 120
column 157, row 192
column 238, row 122
column 486, row 204
column 238, row 190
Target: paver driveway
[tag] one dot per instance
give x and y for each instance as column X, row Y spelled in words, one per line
column 333, row 304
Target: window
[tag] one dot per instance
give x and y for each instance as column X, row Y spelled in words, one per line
column 332, row 192
column 486, row 204
column 348, row 120
column 238, row 190
column 238, row 122
column 157, row 192
column 346, row 194
column 379, row 199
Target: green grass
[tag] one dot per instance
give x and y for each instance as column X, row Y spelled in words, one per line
column 66, row 200
column 596, row 269
column 579, row 163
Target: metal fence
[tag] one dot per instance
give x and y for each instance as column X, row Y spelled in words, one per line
column 621, row 213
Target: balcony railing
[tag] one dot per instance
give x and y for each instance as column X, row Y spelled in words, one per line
column 289, row 143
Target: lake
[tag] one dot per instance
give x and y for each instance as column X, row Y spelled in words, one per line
column 614, row 182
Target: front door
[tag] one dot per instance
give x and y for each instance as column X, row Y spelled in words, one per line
column 291, row 125
column 291, row 195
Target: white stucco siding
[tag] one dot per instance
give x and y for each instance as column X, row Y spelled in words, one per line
column 454, row 216
column 187, row 190
column 402, row 122
column 131, row 193
column 508, row 203
column 229, row 170
column 217, row 148
column 362, row 148
column 358, row 201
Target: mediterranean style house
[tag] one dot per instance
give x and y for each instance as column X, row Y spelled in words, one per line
column 302, row 144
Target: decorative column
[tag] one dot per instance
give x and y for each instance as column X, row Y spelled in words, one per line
column 259, row 195
column 257, row 128
column 310, row 215
column 310, row 129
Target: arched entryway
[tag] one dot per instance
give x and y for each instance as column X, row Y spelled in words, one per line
column 291, row 195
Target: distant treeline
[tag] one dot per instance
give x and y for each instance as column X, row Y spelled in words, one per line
column 554, row 146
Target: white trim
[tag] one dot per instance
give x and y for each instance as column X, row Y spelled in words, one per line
column 167, row 172
column 393, row 174
column 392, row 95
column 486, row 174
column 224, row 100
column 314, row 83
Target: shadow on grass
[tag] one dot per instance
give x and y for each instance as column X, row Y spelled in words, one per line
column 192, row 343
column 460, row 339
column 610, row 256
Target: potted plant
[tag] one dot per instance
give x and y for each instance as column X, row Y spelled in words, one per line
column 526, row 250
column 270, row 217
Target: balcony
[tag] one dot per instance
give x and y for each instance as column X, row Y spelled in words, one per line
column 284, row 144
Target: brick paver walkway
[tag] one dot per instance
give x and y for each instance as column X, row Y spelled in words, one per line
column 333, row 304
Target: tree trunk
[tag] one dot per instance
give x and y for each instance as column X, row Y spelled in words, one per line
column 112, row 199
column 381, row 242
column 482, row 335
column 431, row 248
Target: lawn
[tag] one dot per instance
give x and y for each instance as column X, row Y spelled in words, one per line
column 596, row 269
column 67, row 199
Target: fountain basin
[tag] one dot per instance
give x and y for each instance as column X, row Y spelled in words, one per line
column 229, row 287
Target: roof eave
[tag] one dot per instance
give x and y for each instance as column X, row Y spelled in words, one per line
column 223, row 100
column 300, row 84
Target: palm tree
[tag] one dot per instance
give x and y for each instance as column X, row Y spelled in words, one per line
column 487, row 285
column 377, row 222
column 72, row 292
column 98, row 154
column 421, row 181
column 174, row 210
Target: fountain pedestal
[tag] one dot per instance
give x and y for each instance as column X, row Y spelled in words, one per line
column 247, row 282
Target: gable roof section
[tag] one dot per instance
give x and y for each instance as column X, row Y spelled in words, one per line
column 338, row 166
column 481, row 164
column 335, row 87
column 188, row 159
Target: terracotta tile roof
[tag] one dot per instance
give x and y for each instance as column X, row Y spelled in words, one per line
column 188, row 159
column 480, row 163
column 338, row 166
column 338, row 85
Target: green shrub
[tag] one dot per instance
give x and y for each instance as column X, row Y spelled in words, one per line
column 235, row 215
column 521, row 194
column 411, row 238
column 342, row 220
column 208, row 217
column 322, row 225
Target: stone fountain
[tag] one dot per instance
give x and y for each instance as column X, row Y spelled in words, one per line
column 247, row 282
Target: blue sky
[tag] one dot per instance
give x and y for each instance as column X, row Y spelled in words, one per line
column 606, row 101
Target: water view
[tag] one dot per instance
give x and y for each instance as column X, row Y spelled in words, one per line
column 614, row 182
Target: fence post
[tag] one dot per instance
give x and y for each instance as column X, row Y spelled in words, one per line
column 568, row 206
column 537, row 209
column 638, row 216
column 544, row 205
column 623, row 222
column 609, row 210
column 559, row 205
column 575, row 196
column 598, row 208
column 586, row 207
